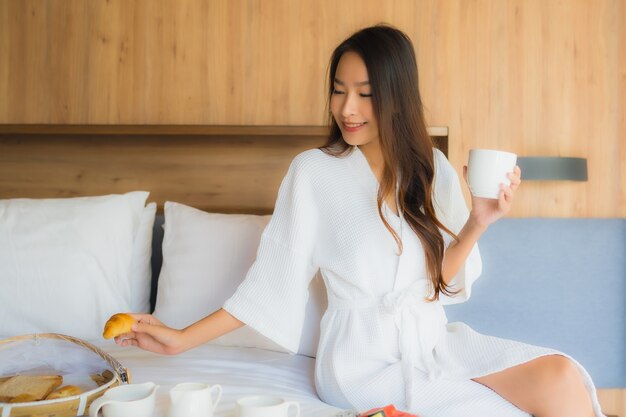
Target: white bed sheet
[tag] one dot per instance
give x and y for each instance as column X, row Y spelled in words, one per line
column 240, row 372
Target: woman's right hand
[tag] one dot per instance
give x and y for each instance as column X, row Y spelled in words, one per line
column 150, row 334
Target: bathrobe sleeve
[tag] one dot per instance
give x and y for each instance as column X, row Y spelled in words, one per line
column 273, row 296
column 453, row 213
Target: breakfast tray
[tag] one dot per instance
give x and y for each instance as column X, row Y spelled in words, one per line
column 76, row 405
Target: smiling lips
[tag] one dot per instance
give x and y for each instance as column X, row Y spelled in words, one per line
column 352, row 127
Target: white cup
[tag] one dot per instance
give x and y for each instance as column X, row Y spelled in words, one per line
column 265, row 406
column 135, row 400
column 194, row 399
column 487, row 169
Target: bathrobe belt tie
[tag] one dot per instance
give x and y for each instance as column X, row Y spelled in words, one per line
column 420, row 324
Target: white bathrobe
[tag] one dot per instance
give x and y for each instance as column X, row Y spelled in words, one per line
column 381, row 341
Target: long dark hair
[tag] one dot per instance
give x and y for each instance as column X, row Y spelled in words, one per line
column 404, row 140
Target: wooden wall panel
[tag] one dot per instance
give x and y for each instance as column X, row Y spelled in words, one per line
column 225, row 173
column 226, row 169
column 613, row 402
column 617, row 125
column 538, row 77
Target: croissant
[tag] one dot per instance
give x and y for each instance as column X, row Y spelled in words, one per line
column 24, row 398
column 27, row 388
column 65, row 391
column 118, row 324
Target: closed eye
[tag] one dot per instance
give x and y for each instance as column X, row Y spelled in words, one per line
column 335, row 91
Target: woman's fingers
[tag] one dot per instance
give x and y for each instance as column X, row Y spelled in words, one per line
column 146, row 318
column 502, row 198
column 507, row 192
column 120, row 339
column 141, row 340
column 152, row 329
column 505, row 199
column 515, row 177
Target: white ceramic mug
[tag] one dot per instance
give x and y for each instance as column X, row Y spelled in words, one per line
column 487, row 169
column 192, row 399
column 135, row 400
column 265, row 406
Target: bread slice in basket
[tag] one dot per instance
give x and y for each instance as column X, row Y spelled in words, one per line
column 31, row 387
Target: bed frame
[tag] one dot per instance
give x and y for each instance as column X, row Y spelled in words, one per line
column 237, row 169
column 230, row 169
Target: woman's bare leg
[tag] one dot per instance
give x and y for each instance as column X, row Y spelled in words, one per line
column 549, row 386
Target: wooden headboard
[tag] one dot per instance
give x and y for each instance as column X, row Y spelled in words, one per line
column 230, row 169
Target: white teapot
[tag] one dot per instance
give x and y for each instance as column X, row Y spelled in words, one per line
column 193, row 399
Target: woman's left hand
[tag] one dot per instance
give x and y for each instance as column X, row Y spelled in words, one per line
column 486, row 211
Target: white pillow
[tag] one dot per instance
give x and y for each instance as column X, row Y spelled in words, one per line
column 205, row 258
column 65, row 263
column 141, row 266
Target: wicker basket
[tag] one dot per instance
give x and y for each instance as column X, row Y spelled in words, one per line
column 77, row 405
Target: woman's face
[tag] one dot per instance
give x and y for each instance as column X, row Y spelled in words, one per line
column 351, row 101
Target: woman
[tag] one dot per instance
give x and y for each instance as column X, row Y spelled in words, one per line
column 382, row 216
